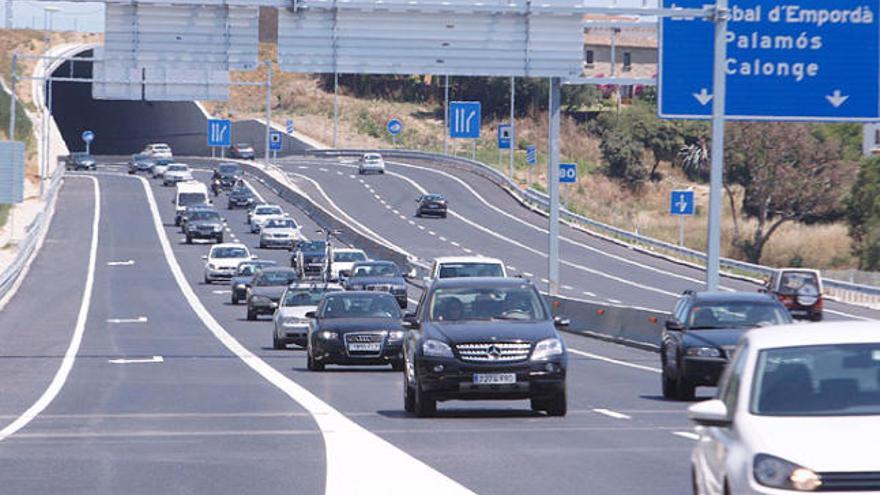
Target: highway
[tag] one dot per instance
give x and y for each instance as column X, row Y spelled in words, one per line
column 127, row 374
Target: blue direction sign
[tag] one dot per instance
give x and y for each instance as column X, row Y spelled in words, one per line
column 681, row 202
column 219, row 132
column 464, row 119
column 532, row 154
column 290, row 127
column 88, row 136
column 799, row 60
column 568, row 173
column 394, row 127
column 505, row 133
column 275, row 140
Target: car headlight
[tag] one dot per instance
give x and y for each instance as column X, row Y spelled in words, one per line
column 212, row 266
column 294, row 322
column 327, row 335
column 706, row 352
column 396, row 335
column 547, row 348
column 435, row 348
column 218, row 228
column 778, row 473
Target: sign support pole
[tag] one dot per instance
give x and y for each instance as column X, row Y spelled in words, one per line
column 268, row 107
column 12, row 100
column 681, row 230
column 512, row 128
column 445, row 115
column 719, row 86
column 553, row 186
column 474, row 150
column 335, row 107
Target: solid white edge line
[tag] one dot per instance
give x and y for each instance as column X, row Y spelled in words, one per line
column 348, row 470
column 67, row 362
column 686, row 434
column 614, row 361
column 612, row 414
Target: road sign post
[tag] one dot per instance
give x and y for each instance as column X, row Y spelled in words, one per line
column 681, row 204
column 531, row 160
column 554, row 108
column 394, row 128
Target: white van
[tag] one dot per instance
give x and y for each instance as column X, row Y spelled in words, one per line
column 189, row 193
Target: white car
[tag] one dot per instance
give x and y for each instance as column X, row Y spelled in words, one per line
column 291, row 324
column 158, row 150
column 261, row 214
column 467, row 266
column 280, row 231
column 371, row 162
column 342, row 261
column 797, row 410
column 176, row 172
column 223, row 259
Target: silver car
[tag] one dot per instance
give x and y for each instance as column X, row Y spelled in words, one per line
column 291, row 324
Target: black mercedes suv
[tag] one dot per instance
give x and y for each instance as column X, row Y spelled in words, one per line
column 484, row 339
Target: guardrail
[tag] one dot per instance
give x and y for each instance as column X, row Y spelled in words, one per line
column 31, row 240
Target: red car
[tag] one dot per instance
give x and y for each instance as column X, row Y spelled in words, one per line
column 242, row 150
column 799, row 290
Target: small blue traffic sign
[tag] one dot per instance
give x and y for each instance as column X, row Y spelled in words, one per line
column 88, row 136
column 810, row 60
column 394, row 127
column 505, row 135
column 532, row 155
column 681, row 202
column 464, row 119
column 275, row 140
column 290, row 127
column 219, row 132
column 568, row 173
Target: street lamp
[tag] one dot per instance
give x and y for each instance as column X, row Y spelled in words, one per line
column 47, row 20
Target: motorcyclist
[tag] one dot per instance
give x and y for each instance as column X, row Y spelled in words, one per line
column 215, row 187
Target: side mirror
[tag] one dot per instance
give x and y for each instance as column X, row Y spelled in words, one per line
column 710, row 413
column 204, row 256
column 274, row 305
column 310, row 314
column 411, row 274
column 410, row 321
column 561, row 322
column 674, row 325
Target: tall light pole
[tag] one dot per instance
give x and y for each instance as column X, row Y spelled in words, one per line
column 47, row 21
column 47, row 93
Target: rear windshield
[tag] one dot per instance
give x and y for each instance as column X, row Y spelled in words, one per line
column 275, row 278
column 177, row 168
column 452, row 270
column 269, row 210
column 434, row 197
column 229, row 169
column 377, row 270
column 186, row 199
column 278, row 223
column 204, row 215
column 798, row 282
column 229, row 252
column 349, row 256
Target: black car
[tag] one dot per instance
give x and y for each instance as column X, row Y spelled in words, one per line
column 244, row 274
column 243, row 151
column 229, row 174
column 81, row 160
column 310, row 259
column 702, row 333
column 203, row 224
column 266, row 288
column 355, row 328
column 484, row 339
column 140, row 163
column 182, row 217
column 382, row 276
column 240, row 197
column 431, row 204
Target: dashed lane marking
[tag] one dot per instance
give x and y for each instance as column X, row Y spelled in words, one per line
column 612, row 414
column 614, row 361
column 686, row 434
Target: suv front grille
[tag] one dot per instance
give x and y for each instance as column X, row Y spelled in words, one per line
column 363, row 337
column 374, row 340
column 489, row 352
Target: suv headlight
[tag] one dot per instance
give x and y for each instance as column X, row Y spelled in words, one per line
column 779, row 473
column 547, row 348
column 435, row 348
column 327, row 335
column 218, row 228
column 294, row 322
column 707, row 352
column 396, row 335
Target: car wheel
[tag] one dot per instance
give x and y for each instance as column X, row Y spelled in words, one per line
column 397, row 365
column 423, row 404
column 312, row 364
column 189, row 239
column 220, row 239
column 262, row 246
column 558, row 405
column 277, row 344
column 538, row 405
column 251, row 314
column 816, row 317
column 684, row 390
column 668, row 386
column 443, row 215
column 419, row 213
column 207, row 280
column 409, row 399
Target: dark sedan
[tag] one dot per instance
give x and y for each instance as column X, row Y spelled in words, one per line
column 229, row 174
column 355, row 328
column 484, row 339
column 81, row 160
column 244, row 275
column 382, row 276
column 240, row 197
column 266, row 288
column 431, row 204
column 243, row 151
column 182, row 217
column 140, row 163
column 703, row 332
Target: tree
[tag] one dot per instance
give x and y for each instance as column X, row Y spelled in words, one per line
column 863, row 215
column 623, row 156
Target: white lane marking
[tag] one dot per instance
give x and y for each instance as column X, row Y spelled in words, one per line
column 221, row 292
column 421, row 227
column 567, row 287
column 612, row 414
column 361, row 181
column 546, row 281
column 377, row 196
column 841, row 313
column 154, row 359
column 139, row 319
column 120, row 263
column 256, row 193
column 588, row 293
column 396, row 212
column 614, row 361
column 442, row 238
column 382, row 201
column 468, row 251
column 527, row 274
column 431, row 232
column 347, row 470
column 367, row 186
column 303, row 167
column 402, row 217
column 412, row 222
column 352, row 176
column 388, row 207
column 455, row 244
column 511, row 267
column 339, row 172
column 73, row 348
column 615, row 301
column 686, row 434
column 228, row 229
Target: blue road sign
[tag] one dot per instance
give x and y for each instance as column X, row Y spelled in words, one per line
column 290, row 126
column 219, row 132
column 568, row 173
column 681, row 202
column 394, row 127
column 464, row 119
column 532, row 154
column 275, row 141
column 505, row 133
column 88, row 136
column 803, row 60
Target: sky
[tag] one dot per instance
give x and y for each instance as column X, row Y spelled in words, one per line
column 72, row 16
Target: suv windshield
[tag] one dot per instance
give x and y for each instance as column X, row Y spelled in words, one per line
column 451, row 270
column 376, row 270
column 348, row 256
column 229, row 169
column 313, row 246
column 736, row 315
column 245, row 269
column 275, row 278
column 473, row 303
column 304, row 297
column 360, row 306
column 229, row 252
column 242, row 191
column 268, row 210
column 203, row 215
column 823, row 380
column 187, row 199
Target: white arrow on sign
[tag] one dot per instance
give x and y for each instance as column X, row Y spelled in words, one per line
column 120, row 263
column 154, row 359
column 703, row 97
column 836, row 99
column 139, row 319
column 682, row 204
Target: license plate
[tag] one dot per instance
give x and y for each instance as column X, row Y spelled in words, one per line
column 374, row 347
column 494, row 378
